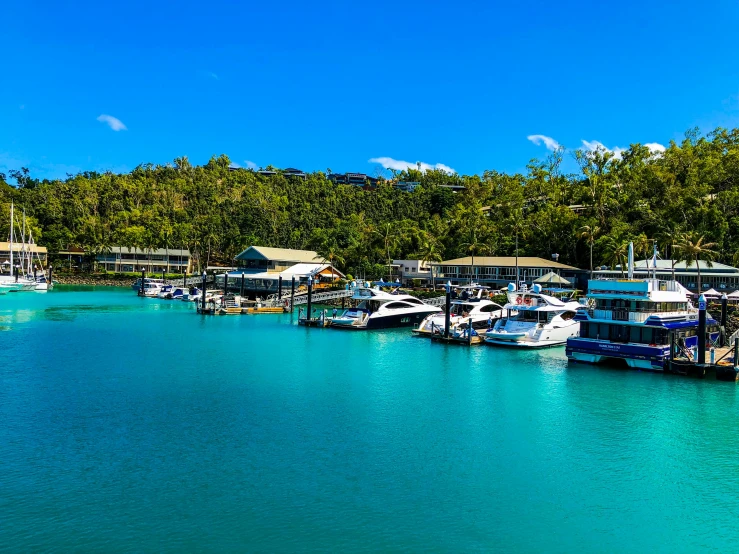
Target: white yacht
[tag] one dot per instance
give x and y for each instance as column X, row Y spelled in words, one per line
column 136, row 286
column 42, row 283
column 193, row 294
column 535, row 320
column 150, row 290
column 6, row 287
column 14, row 281
column 379, row 309
column 470, row 303
column 165, row 291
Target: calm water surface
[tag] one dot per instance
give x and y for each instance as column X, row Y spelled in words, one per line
column 130, row 425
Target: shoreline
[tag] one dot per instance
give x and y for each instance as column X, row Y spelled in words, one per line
column 92, row 280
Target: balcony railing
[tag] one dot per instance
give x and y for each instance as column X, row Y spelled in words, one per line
column 633, row 316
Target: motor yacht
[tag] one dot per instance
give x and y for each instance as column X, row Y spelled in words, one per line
column 165, row 291
column 150, row 289
column 534, row 320
column 379, row 309
column 136, row 286
column 471, row 302
column 193, row 294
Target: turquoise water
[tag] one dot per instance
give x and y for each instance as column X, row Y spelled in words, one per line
column 130, row 425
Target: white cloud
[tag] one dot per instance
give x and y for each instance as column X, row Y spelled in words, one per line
column 400, row 165
column 22, row 106
column 112, row 122
column 655, row 147
column 250, row 165
column 549, row 142
column 214, row 76
column 595, row 145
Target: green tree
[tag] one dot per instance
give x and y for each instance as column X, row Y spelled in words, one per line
column 615, row 253
column 589, row 233
column 694, row 248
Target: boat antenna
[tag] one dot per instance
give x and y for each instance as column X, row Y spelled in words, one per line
column 654, row 260
column 517, row 278
column 631, row 261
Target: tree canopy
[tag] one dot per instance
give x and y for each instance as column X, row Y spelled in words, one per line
column 687, row 193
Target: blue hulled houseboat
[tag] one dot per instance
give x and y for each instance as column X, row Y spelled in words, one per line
column 637, row 321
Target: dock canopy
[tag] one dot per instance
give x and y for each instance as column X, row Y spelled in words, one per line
column 712, row 293
column 552, row 278
column 734, row 296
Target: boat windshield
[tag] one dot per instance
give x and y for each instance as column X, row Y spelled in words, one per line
column 369, row 305
column 461, row 309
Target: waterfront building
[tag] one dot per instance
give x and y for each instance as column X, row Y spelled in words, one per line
column 257, row 259
column 72, row 257
column 498, row 271
column 152, row 260
column 263, row 266
column 409, row 270
column 38, row 253
column 724, row 278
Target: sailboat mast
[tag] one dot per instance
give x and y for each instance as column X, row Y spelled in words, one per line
column 24, row 258
column 11, row 238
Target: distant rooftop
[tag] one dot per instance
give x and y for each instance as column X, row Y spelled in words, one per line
column 506, row 261
column 279, row 254
column 680, row 267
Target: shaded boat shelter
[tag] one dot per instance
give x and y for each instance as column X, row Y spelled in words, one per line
column 552, row 278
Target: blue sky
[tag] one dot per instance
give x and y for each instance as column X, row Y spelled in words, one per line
column 335, row 84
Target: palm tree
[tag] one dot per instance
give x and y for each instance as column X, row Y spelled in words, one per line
column 475, row 246
column 589, row 233
column 643, row 245
column 616, row 253
column 694, row 249
column 430, row 253
column 330, row 252
column 390, row 242
column 667, row 240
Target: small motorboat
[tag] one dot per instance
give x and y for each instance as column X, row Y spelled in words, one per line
column 165, row 291
column 192, row 295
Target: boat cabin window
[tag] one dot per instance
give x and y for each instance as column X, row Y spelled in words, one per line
column 413, row 301
column 567, row 315
column 396, row 305
column 533, row 315
column 639, row 306
column 624, row 333
column 369, row 305
column 490, row 308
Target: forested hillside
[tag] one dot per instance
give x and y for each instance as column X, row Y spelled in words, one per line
column 678, row 197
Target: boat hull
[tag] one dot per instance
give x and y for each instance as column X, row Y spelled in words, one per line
column 539, row 338
column 380, row 322
column 524, row 343
column 638, row 356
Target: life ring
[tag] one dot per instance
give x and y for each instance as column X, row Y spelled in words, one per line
column 519, row 300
